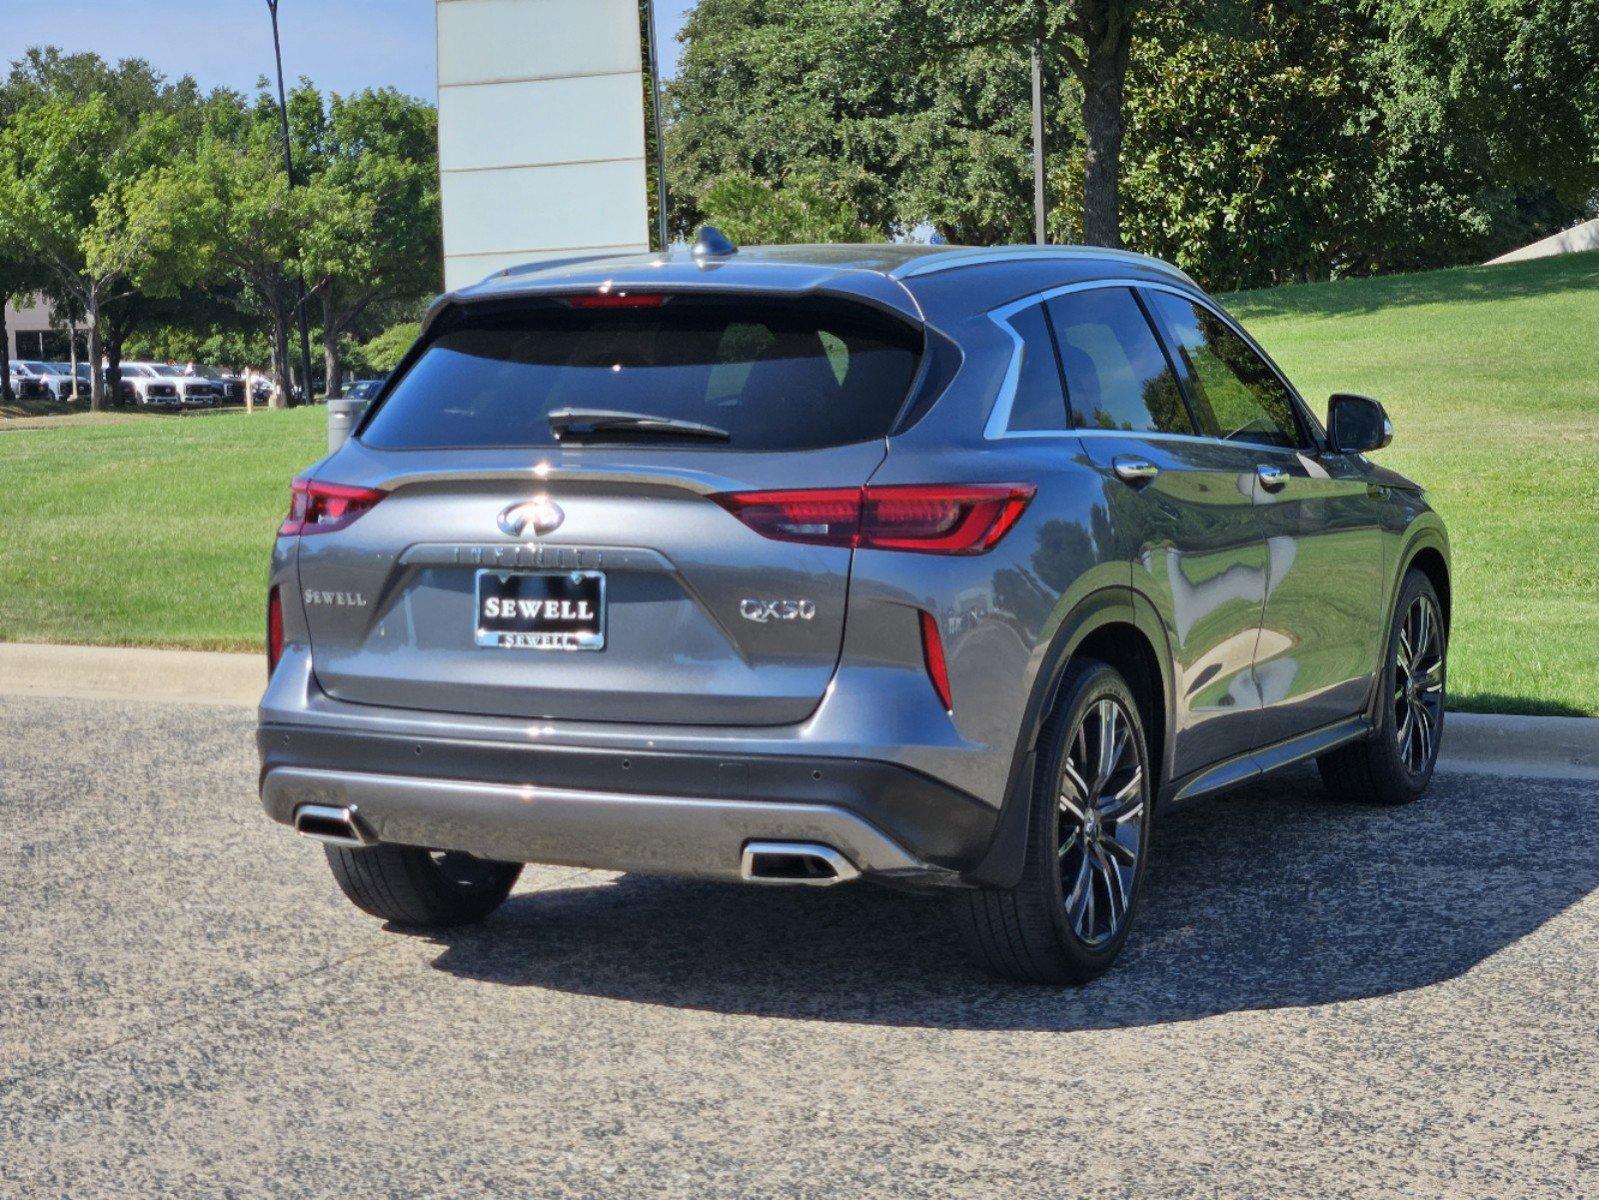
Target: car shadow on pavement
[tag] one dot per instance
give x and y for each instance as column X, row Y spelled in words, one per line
column 1272, row 896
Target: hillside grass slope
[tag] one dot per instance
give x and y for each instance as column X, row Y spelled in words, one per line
column 1491, row 375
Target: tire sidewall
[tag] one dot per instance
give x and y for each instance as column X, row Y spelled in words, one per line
column 1086, row 684
column 1415, row 584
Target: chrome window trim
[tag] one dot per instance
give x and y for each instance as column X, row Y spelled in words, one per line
column 999, row 417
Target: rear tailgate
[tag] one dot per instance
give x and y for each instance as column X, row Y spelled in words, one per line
column 689, row 635
column 635, row 595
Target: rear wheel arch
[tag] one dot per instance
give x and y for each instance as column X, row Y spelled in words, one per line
column 1430, row 561
column 1116, row 626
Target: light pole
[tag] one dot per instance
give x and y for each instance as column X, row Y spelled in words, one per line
column 288, row 168
column 660, row 143
column 1040, row 233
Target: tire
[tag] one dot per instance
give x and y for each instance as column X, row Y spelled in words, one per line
column 421, row 888
column 1042, row 930
column 1395, row 764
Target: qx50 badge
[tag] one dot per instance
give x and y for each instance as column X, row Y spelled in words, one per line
column 762, row 611
column 539, row 515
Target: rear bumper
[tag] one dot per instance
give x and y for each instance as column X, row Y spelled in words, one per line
column 676, row 835
column 675, row 813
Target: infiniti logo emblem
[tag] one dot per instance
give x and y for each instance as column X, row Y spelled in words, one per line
column 539, row 515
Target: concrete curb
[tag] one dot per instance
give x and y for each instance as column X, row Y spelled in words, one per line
column 123, row 673
column 1474, row 743
column 1540, row 747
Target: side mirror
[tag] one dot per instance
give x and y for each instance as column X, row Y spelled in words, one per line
column 1357, row 424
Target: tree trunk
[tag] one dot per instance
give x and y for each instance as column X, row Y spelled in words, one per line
column 6, row 393
column 96, row 384
column 331, row 365
column 282, row 385
column 72, row 357
column 113, row 366
column 1103, row 125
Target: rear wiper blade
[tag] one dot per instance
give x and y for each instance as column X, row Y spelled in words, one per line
column 580, row 423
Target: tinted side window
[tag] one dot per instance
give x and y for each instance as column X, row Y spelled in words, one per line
column 1235, row 394
column 1039, row 404
column 1117, row 376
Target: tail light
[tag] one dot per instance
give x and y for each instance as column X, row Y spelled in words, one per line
column 926, row 519
column 618, row 300
column 933, row 658
column 941, row 520
column 325, row 507
column 274, row 638
column 820, row 516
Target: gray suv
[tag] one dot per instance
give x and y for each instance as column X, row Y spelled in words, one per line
column 948, row 569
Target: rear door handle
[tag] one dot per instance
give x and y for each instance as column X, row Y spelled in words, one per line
column 1134, row 471
column 1273, row 479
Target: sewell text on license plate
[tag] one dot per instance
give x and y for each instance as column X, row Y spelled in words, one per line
column 541, row 610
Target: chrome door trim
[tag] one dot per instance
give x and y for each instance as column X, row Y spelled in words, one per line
column 999, row 416
column 1264, row 760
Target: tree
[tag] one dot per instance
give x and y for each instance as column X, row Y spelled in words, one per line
column 136, row 96
column 225, row 208
column 1307, row 138
column 968, row 168
column 374, row 236
column 383, row 352
column 814, row 90
column 752, row 212
column 190, row 322
column 1260, row 140
column 1489, row 113
column 1249, row 148
column 20, row 272
column 1094, row 39
column 66, row 172
column 875, row 105
column 20, row 275
column 132, row 87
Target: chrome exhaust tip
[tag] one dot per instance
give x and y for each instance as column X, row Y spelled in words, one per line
column 333, row 825
column 803, row 864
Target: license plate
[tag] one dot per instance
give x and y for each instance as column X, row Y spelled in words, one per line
column 543, row 610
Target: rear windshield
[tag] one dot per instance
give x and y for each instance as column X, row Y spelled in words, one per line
column 775, row 375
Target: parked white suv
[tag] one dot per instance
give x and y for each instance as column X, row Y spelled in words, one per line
column 229, row 385
column 57, row 377
column 146, row 387
column 163, row 385
column 27, row 378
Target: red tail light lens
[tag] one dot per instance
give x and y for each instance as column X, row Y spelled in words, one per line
column 274, row 641
column 820, row 516
column 325, row 507
column 933, row 657
column 926, row 519
column 941, row 519
column 618, row 300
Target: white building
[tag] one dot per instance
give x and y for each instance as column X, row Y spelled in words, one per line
column 1569, row 241
column 541, row 131
column 29, row 333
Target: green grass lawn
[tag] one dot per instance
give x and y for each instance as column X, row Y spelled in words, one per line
column 137, row 529
column 154, row 530
column 1491, row 375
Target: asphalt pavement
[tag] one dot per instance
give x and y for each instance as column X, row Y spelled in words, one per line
column 1321, row 1000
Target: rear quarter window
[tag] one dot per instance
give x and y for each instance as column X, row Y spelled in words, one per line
column 776, row 375
column 1117, row 376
